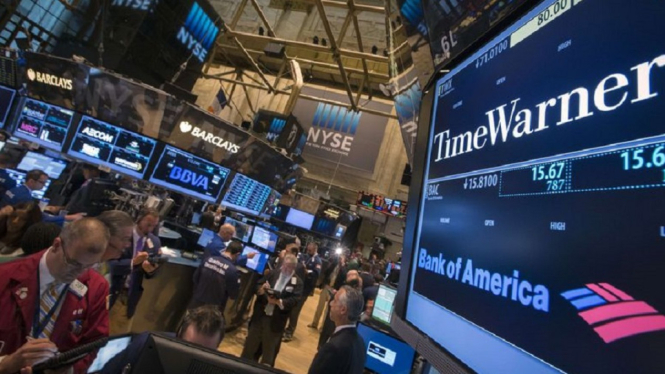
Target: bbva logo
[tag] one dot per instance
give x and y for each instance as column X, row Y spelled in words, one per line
column 189, row 177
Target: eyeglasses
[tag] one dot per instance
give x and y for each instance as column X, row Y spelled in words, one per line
column 73, row 263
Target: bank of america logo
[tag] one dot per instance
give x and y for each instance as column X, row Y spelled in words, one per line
column 198, row 33
column 276, row 127
column 612, row 313
column 336, row 118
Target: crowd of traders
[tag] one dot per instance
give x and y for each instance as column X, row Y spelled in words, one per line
column 55, row 293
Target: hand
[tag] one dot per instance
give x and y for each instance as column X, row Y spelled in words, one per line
column 263, row 288
column 140, row 258
column 7, row 210
column 53, row 209
column 251, row 255
column 273, row 300
column 32, row 352
column 148, row 267
column 75, row 216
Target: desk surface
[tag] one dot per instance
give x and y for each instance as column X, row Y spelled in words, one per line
column 167, row 233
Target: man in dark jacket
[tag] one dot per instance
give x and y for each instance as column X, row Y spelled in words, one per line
column 275, row 298
column 344, row 353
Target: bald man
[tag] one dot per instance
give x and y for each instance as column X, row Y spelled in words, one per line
column 220, row 241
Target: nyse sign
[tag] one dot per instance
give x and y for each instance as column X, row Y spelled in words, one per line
column 198, row 33
column 333, row 129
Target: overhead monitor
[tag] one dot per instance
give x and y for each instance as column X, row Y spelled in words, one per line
column 325, row 226
column 243, row 230
column 264, row 239
column 19, row 178
column 206, row 237
column 258, row 263
column 246, row 195
column 339, row 231
column 103, row 144
column 384, row 304
column 44, row 124
column 271, row 203
column 188, row 174
column 299, row 218
column 384, row 353
column 536, row 240
column 6, row 100
column 51, row 166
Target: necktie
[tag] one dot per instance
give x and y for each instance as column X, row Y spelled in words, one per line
column 279, row 286
column 47, row 301
column 139, row 248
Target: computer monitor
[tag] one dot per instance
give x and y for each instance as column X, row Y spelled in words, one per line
column 384, row 304
column 258, row 263
column 196, row 218
column 246, row 195
column 19, row 178
column 51, row 166
column 113, row 347
column 205, row 237
column 166, row 355
column 300, row 219
column 243, row 230
column 264, row 239
column 386, row 354
column 44, row 124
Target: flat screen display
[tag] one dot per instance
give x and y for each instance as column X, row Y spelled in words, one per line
column 258, row 263
column 246, row 195
column 6, row 100
column 384, row 304
column 19, row 178
column 114, row 347
column 44, row 124
column 205, row 237
column 325, row 226
column 188, row 174
column 51, row 166
column 385, row 354
column 299, row 218
column 538, row 242
column 264, row 239
column 271, row 203
column 103, row 144
column 243, row 230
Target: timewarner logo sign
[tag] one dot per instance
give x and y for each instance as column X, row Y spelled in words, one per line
column 198, row 33
column 186, row 127
column 49, row 79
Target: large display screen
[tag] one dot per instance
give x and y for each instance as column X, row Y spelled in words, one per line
column 539, row 238
column 103, row 144
column 264, row 239
column 246, row 195
column 6, row 99
column 49, row 165
column 188, row 174
column 385, row 354
column 258, row 263
column 384, row 304
column 44, row 124
column 299, row 218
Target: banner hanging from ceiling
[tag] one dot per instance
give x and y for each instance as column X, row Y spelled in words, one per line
column 338, row 134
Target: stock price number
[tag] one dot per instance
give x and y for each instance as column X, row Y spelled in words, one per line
column 553, row 11
column 542, row 172
column 483, row 181
column 644, row 158
column 490, row 54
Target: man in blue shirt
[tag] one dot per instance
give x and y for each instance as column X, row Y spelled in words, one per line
column 34, row 180
column 220, row 241
column 216, row 280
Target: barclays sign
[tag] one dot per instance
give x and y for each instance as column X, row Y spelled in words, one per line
column 198, row 33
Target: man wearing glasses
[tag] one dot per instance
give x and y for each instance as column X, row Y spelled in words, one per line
column 35, row 180
column 53, row 301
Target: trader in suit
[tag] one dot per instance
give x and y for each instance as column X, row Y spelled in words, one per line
column 312, row 266
column 34, row 180
column 53, row 300
column 128, row 271
column 275, row 298
column 344, row 353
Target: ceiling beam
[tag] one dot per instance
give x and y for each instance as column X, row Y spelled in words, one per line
column 236, row 17
column 263, row 18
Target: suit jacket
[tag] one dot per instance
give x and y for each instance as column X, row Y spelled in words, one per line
column 207, row 221
column 80, row 320
column 343, row 354
column 290, row 297
column 122, row 267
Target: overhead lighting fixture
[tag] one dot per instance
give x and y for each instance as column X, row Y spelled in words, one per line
column 261, row 31
column 315, row 39
column 375, row 49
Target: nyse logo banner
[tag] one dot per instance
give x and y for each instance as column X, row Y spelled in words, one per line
column 198, row 33
column 337, row 134
column 133, row 4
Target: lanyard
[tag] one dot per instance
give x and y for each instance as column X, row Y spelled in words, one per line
column 38, row 325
